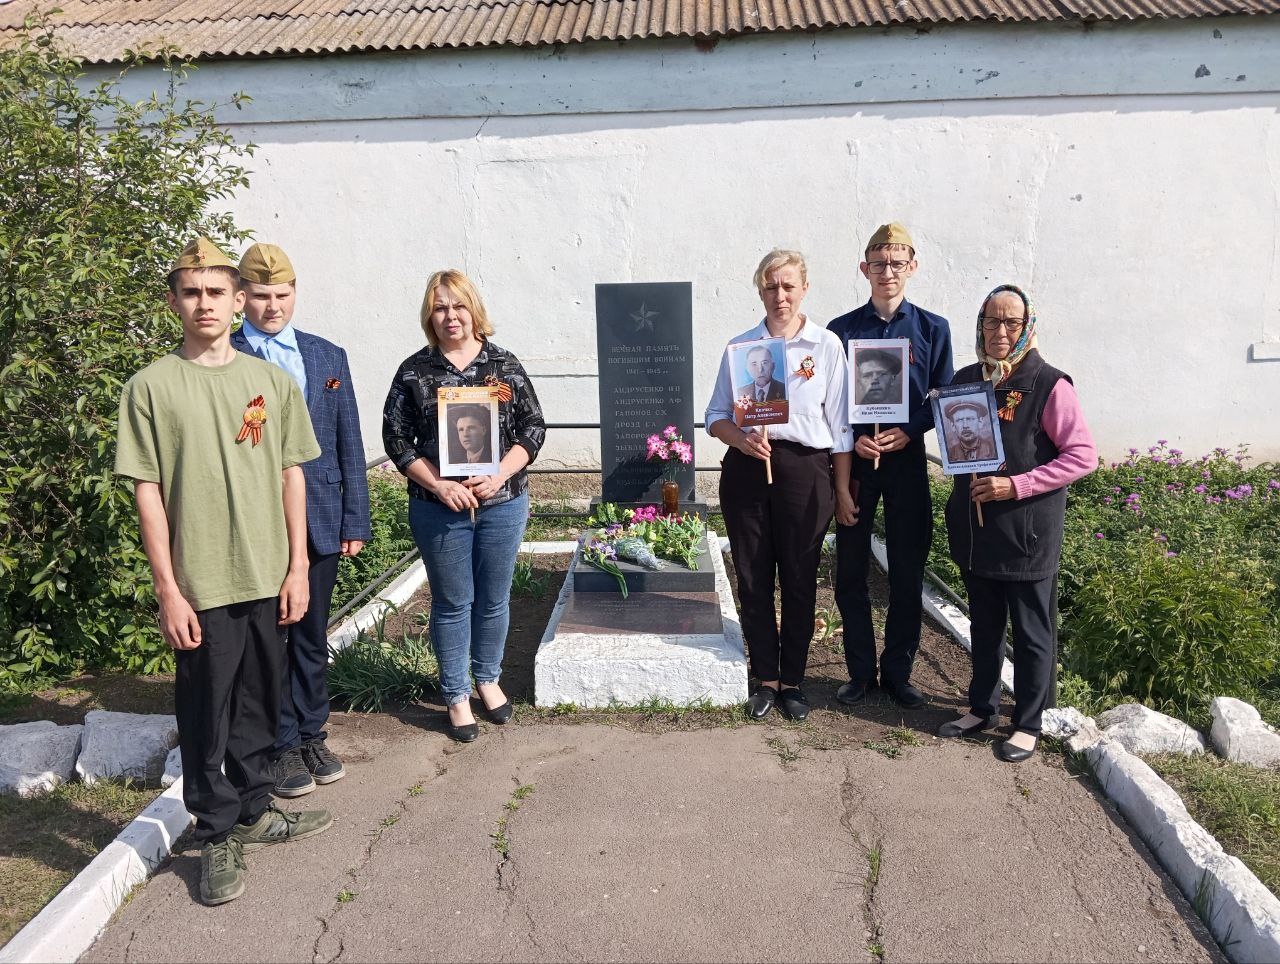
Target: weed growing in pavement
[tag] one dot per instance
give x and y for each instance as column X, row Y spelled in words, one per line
column 903, row 736
column 785, row 751
column 415, row 790
column 390, row 820
column 346, row 896
column 895, row 739
column 501, row 842
column 376, row 672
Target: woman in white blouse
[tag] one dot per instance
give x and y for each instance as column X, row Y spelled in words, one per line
column 776, row 530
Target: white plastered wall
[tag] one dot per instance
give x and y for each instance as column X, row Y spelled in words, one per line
column 1126, row 175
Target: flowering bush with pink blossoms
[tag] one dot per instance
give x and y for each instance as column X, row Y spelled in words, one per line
column 1170, row 581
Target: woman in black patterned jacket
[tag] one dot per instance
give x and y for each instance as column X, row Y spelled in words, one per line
column 468, row 529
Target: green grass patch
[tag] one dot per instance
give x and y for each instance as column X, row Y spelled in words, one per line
column 46, row 840
column 1238, row 804
column 379, row 670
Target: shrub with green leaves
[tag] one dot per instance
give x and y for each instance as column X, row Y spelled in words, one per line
column 97, row 195
column 1160, row 628
column 390, row 540
column 380, row 670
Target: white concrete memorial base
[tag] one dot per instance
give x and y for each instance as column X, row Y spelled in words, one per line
column 603, row 668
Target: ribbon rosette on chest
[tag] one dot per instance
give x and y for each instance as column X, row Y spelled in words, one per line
column 805, row 370
column 1011, row 403
column 333, row 384
column 255, row 414
column 500, row 389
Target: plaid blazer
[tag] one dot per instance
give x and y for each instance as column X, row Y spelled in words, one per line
column 337, row 490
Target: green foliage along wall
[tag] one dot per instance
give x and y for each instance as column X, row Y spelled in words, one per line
column 97, row 195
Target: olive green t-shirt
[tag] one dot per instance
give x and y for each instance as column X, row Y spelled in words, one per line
column 179, row 427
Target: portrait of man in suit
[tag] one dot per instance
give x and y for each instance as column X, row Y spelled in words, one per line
column 337, row 505
column 878, row 379
column 761, row 386
column 968, row 431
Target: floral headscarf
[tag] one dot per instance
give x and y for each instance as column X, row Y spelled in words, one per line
column 998, row 369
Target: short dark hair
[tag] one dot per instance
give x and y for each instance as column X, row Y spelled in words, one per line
column 233, row 276
column 458, row 412
column 892, row 360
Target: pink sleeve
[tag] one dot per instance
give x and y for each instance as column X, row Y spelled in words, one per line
column 1063, row 421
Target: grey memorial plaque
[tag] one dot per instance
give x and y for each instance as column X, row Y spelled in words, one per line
column 644, row 348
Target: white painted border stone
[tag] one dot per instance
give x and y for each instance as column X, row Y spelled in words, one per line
column 1240, row 912
column 72, row 921
column 402, row 589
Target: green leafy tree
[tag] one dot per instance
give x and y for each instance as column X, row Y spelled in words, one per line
column 97, row 195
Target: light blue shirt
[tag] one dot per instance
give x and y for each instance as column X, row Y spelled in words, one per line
column 281, row 349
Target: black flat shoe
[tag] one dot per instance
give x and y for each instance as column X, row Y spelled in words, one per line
column 1016, row 754
column 904, row 694
column 954, row 729
column 466, row 733
column 854, row 692
column 499, row 714
column 761, row 702
column 793, row 704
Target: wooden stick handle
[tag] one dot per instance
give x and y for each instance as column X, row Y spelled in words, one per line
column 473, row 516
column 973, row 477
column 876, row 463
column 768, row 463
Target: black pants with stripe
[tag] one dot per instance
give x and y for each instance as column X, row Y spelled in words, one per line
column 775, row 533
column 227, row 696
column 1032, row 607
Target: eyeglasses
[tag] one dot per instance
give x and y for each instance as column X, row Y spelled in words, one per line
column 878, row 267
column 1012, row 324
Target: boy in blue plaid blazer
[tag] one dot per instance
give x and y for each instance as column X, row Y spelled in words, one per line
column 337, row 505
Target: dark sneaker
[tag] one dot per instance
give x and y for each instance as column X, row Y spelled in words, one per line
column 292, row 777
column 321, row 763
column 278, row 826
column 221, row 872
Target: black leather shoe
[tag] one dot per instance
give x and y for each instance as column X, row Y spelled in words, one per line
column 761, row 702
column 904, row 694
column 853, row 692
column 1016, row 754
column 954, row 729
column 793, row 704
column 499, row 714
column 466, row 733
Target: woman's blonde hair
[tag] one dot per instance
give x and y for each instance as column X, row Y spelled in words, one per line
column 780, row 258
column 465, row 291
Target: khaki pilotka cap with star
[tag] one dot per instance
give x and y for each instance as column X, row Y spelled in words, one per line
column 201, row 253
column 267, row 264
column 891, row 233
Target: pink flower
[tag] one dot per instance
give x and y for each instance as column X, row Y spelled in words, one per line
column 670, row 433
column 684, row 450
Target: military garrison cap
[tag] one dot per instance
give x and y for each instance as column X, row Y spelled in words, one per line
column 955, row 408
column 267, row 264
column 891, row 233
column 202, row 253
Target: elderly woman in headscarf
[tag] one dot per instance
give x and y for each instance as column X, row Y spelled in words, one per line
column 1010, row 561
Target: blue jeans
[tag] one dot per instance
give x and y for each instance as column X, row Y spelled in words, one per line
column 469, row 568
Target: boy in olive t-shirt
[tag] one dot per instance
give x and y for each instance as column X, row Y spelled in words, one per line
column 214, row 441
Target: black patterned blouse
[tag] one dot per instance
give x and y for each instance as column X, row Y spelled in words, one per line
column 409, row 427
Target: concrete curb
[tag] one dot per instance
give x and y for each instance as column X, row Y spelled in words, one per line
column 1240, row 912
column 402, row 589
column 72, row 921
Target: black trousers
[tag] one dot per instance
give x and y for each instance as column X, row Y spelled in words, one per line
column 227, row 696
column 902, row 481
column 777, row 530
column 304, row 701
column 1032, row 607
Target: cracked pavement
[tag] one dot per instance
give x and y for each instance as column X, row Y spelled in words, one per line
column 746, row 843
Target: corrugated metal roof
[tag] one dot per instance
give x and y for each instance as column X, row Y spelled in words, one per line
column 101, row 30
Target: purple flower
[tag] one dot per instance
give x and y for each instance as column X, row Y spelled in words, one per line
column 1206, row 474
column 1170, row 555
column 1162, row 441
column 1201, row 488
column 1108, row 500
column 1098, row 535
column 1274, row 484
column 1160, row 537
column 1176, row 453
column 1139, row 479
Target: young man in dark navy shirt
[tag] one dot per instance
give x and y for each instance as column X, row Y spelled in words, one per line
column 901, row 480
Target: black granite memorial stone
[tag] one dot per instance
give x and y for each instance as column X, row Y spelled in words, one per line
column 644, row 348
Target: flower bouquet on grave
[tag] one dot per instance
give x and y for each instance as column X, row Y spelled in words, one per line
column 672, row 451
column 603, row 556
